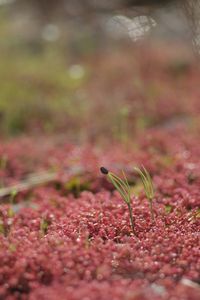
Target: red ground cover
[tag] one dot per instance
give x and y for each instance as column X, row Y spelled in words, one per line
column 61, row 243
column 71, row 238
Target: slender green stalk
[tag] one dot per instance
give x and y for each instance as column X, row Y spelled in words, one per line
column 11, row 212
column 124, row 190
column 148, row 188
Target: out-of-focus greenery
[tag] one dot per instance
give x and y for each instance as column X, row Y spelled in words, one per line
column 39, row 86
column 77, row 86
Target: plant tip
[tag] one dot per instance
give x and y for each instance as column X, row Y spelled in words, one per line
column 104, row 170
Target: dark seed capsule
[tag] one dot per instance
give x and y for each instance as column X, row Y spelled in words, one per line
column 104, row 170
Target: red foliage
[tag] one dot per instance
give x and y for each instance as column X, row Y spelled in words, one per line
column 87, row 251
column 71, row 239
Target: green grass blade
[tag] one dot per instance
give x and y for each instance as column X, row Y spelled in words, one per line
column 127, row 184
column 143, row 178
column 150, row 183
column 119, row 187
column 121, row 182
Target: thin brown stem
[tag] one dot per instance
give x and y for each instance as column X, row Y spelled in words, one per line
column 131, row 219
column 151, row 210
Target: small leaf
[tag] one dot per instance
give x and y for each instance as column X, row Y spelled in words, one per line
column 168, row 208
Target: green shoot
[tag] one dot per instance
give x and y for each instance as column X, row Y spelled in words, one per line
column 124, row 190
column 2, row 227
column 44, row 224
column 148, row 187
column 11, row 200
column 12, row 196
column 3, row 165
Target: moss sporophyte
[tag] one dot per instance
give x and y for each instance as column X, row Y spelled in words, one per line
column 122, row 186
column 148, row 187
column 124, row 190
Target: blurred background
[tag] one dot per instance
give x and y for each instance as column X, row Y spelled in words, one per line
column 65, row 64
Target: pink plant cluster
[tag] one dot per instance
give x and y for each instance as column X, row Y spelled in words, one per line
column 57, row 244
